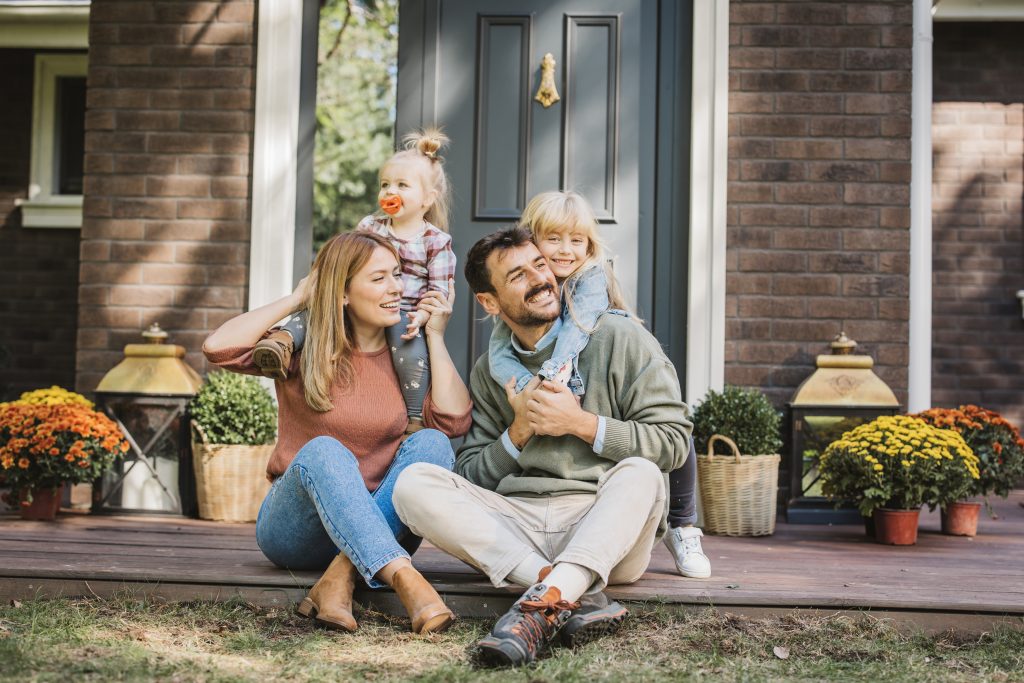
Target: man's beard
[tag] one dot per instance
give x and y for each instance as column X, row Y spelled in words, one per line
column 525, row 317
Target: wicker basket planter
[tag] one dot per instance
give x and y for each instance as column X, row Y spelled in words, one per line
column 231, row 481
column 738, row 492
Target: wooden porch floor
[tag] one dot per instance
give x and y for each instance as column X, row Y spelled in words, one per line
column 942, row 582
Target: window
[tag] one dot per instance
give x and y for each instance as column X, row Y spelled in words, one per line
column 58, row 137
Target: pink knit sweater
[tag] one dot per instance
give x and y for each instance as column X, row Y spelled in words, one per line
column 369, row 418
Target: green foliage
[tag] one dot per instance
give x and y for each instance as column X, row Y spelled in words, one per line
column 744, row 415
column 235, row 409
column 355, row 110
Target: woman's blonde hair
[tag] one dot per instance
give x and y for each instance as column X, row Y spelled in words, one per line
column 425, row 145
column 327, row 354
column 551, row 212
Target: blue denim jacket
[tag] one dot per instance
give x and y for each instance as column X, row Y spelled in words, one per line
column 588, row 291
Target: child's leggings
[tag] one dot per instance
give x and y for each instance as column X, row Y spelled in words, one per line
column 411, row 359
column 682, row 492
column 412, row 365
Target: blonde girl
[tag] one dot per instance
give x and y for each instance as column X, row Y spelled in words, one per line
column 414, row 198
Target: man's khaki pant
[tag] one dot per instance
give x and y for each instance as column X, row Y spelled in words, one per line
column 611, row 532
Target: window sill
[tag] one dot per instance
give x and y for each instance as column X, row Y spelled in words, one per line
column 53, row 212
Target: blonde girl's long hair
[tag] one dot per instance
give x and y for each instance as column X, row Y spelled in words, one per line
column 425, row 146
column 327, row 354
column 551, row 212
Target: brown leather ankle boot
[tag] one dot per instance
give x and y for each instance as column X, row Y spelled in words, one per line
column 427, row 610
column 330, row 600
column 273, row 355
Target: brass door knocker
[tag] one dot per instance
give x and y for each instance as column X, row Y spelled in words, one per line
column 546, row 93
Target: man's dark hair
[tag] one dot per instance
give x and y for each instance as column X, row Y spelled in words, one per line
column 477, row 274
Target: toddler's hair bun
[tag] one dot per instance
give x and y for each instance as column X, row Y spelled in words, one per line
column 427, row 142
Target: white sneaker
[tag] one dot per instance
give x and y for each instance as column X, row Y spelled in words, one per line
column 684, row 544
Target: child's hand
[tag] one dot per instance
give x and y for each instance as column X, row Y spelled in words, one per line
column 417, row 319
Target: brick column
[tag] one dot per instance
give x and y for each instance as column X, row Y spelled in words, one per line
column 168, row 152
column 978, row 255
column 819, row 188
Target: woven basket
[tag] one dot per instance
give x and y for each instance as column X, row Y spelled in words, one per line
column 231, row 481
column 738, row 492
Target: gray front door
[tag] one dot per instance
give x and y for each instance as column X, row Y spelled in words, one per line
column 474, row 67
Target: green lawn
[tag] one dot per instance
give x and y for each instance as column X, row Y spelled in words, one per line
column 133, row 640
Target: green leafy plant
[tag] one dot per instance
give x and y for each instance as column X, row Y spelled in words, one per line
column 898, row 462
column 235, row 409
column 744, row 415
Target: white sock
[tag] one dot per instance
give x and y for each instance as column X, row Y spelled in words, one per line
column 571, row 579
column 525, row 573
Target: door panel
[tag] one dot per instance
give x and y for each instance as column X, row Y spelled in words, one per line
column 506, row 147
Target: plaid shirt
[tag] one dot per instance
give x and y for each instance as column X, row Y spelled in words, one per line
column 427, row 259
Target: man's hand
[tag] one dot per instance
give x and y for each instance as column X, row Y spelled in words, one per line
column 554, row 411
column 520, row 430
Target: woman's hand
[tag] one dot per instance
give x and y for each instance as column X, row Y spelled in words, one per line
column 302, row 290
column 439, row 307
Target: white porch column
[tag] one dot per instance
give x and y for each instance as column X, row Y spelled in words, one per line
column 705, row 333
column 920, row 364
column 275, row 144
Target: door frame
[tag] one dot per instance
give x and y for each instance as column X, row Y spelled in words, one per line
column 688, row 315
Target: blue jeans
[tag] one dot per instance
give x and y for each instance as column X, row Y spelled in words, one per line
column 321, row 506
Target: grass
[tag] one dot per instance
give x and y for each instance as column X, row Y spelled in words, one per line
column 128, row 639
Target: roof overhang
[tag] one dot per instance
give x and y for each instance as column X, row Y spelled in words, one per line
column 978, row 10
column 48, row 24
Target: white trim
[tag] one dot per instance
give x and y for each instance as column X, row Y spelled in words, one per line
column 45, row 25
column 44, row 208
column 978, row 10
column 275, row 147
column 705, row 333
column 919, row 370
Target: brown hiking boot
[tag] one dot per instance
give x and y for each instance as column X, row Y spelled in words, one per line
column 329, row 602
column 273, row 355
column 427, row 610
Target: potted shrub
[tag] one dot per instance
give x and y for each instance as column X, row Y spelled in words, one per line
column 738, row 491
column 892, row 466
column 46, row 445
column 1000, row 451
column 235, row 420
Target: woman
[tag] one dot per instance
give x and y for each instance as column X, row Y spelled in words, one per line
column 341, row 421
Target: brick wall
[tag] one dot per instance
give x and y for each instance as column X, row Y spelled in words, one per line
column 819, row 188
column 38, row 267
column 978, row 266
column 168, row 152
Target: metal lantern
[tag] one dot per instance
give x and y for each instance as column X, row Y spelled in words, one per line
column 841, row 394
column 147, row 395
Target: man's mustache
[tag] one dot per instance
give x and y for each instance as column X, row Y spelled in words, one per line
column 537, row 290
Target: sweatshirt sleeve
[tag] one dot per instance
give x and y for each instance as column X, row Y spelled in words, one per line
column 483, row 458
column 655, row 422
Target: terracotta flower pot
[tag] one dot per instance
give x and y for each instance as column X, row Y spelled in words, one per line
column 896, row 527
column 44, row 505
column 960, row 519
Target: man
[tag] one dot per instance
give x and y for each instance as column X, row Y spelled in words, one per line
column 548, row 493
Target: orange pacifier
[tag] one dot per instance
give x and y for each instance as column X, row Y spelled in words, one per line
column 391, row 204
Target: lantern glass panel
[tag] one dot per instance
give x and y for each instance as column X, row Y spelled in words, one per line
column 155, row 475
column 817, row 433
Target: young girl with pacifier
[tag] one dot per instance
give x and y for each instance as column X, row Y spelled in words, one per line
column 414, row 197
